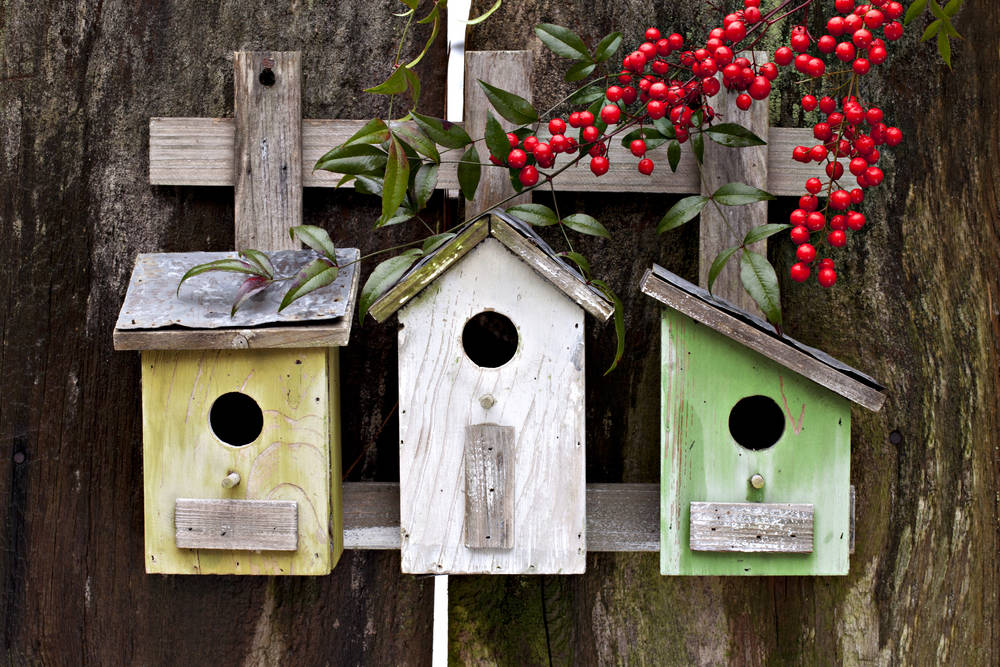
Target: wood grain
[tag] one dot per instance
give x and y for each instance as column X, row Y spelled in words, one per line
column 733, row 165
column 489, row 486
column 509, row 70
column 770, row 347
column 752, row 527
column 539, row 392
column 268, row 139
column 620, row 517
column 235, row 339
column 234, row 525
column 199, row 151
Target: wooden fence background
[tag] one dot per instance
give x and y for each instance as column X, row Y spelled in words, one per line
column 918, row 308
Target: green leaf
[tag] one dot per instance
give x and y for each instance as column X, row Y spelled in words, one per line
column 607, row 47
column 432, row 243
column 737, row 194
column 314, row 275
column 485, row 15
column 932, row 30
column 764, row 231
column 496, row 138
column 538, row 215
column 249, row 287
column 651, row 136
column 944, row 48
column 231, row 265
column 936, row 10
column 562, row 41
column 586, row 95
column 585, row 224
column 344, row 180
column 436, row 18
column 619, row 321
column 698, row 146
column 317, row 239
column 580, row 261
column 369, row 185
column 356, row 159
column 413, row 81
column 423, row 186
column 396, row 83
column 665, row 127
column 385, row 276
column 733, row 135
column 442, row 132
column 718, row 263
column 915, row 10
column 397, row 178
column 412, row 4
column 260, row 260
column 949, row 29
column 681, row 212
column 761, row 283
column 952, row 8
column 373, row 132
column 674, row 155
column 416, row 139
column 469, row 171
column 513, row 107
column 580, row 70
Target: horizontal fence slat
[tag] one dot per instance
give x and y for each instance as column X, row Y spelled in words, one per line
column 620, row 517
column 200, row 151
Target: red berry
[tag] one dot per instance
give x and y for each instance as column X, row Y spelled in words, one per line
column 798, row 217
column 799, row 40
column 854, row 113
column 784, row 56
column 814, row 185
column 542, row 151
column 530, row 143
column 874, row 19
column 652, row 34
column 840, row 199
column 857, row 196
column 517, row 158
column 835, row 26
column 635, row 61
column 873, row 175
column 808, row 102
column 806, row 252
column 647, row 49
column 799, row 234
column 826, row 44
column 557, row 126
column 873, row 115
column 586, row 118
column 558, row 143
column 855, row 220
column 818, row 153
column 826, row 263
column 736, row 31
column 528, row 176
column 844, row 6
column 815, row 67
column 611, row 114
column 894, row 10
column 663, row 47
column 861, row 66
column 862, row 39
column 834, row 170
column 837, row 238
column 893, row 135
column 799, row 272
column 838, row 222
column 802, row 62
column 646, row 166
column 799, row 153
column 574, row 119
column 638, row 147
column 808, row 203
column 676, row 41
column 827, row 104
column 710, row 86
column 846, row 51
column 751, row 15
column 822, row 131
column 599, row 165
column 815, row 221
column 723, row 56
column 590, row 134
column 760, row 88
column 826, row 277
column 598, row 149
column 893, row 31
column 877, row 55
column 770, row 70
column 512, row 140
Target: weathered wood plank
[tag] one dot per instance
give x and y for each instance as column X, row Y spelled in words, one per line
column 566, row 281
column 199, row 151
column 236, row 525
column 489, row 486
column 752, row 527
column 442, row 260
column 620, row 517
column 509, row 70
column 268, row 139
column 728, row 165
column 333, row 335
column 770, row 347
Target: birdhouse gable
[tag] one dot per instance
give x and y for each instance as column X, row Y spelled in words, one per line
column 518, row 238
column 756, row 334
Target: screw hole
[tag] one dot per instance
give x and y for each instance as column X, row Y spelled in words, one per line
column 266, row 77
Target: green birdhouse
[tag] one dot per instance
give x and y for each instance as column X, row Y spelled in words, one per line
column 756, row 442
column 240, row 417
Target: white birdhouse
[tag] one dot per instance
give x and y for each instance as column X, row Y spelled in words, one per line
column 491, row 405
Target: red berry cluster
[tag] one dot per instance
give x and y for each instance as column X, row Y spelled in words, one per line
column 658, row 80
column 847, row 130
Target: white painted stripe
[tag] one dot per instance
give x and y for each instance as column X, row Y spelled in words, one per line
column 439, row 654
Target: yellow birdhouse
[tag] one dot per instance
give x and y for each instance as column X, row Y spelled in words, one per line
column 241, row 421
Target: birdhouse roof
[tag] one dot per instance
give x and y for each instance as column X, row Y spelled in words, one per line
column 158, row 316
column 756, row 334
column 516, row 236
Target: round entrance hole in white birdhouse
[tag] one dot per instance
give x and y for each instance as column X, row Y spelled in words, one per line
column 236, row 419
column 756, row 422
column 489, row 339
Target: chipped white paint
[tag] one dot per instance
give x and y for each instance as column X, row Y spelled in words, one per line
column 539, row 392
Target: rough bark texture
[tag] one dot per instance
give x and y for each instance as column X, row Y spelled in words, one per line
column 917, row 307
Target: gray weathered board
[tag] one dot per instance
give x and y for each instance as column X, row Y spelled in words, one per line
column 254, row 525
column 752, row 527
column 489, row 486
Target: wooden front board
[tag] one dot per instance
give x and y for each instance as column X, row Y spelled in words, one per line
column 234, row 525
column 539, row 392
column 752, row 527
column 291, row 460
column 704, row 374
